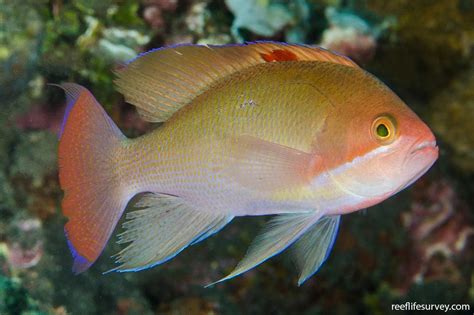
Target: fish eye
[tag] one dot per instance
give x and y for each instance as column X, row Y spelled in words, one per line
column 384, row 129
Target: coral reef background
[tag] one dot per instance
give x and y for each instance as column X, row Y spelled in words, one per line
column 417, row 246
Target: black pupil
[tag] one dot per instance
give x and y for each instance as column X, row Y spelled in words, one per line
column 382, row 130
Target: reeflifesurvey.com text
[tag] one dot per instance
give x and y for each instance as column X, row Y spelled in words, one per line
column 414, row 306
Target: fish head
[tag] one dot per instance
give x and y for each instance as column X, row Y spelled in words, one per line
column 375, row 148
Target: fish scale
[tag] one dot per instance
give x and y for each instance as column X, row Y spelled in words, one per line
column 276, row 116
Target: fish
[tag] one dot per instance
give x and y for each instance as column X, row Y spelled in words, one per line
column 294, row 132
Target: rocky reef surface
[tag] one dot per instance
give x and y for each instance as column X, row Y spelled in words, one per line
column 417, row 246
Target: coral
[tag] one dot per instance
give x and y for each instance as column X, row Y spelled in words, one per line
column 114, row 44
column 154, row 12
column 154, row 17
column 25, row 243
column 351, row 35
column 439, row 227
column 197, row 17
column 84, row 41
column 200, row 24
column 121, row 45
column 268, row 17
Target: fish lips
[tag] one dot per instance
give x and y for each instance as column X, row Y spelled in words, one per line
column 419, row 160
column 426, row 147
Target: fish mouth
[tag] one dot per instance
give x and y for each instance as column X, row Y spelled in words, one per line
column 425, row 146
column 421, row 157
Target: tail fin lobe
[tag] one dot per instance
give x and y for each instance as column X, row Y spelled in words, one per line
column 94, row 196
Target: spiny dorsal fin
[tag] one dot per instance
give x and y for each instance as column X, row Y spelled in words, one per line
column 162, row 81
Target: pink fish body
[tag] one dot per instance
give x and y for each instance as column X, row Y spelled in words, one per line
column 259, row 129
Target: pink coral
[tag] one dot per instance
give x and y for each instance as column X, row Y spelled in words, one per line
column 24, row 258
column 351, row 35
column 25, row 246
column 154, row 10
column 439, row 227
column 349, row 42
column 154, row 17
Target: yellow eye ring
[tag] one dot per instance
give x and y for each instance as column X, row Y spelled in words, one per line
column 384, row 129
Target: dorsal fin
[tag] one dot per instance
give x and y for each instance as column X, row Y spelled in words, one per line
column 162, row 81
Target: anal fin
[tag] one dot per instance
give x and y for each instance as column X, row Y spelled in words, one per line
column 163, row 227
column 313, row 248
column 280, row 232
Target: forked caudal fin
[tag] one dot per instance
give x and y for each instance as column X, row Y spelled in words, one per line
column 94, row 198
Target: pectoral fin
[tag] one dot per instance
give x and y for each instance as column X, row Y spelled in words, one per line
column 266, row 166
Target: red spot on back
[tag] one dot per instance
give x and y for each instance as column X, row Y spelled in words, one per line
column 279, row 55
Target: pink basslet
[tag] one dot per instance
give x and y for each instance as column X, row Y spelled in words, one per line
column 293, row 131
